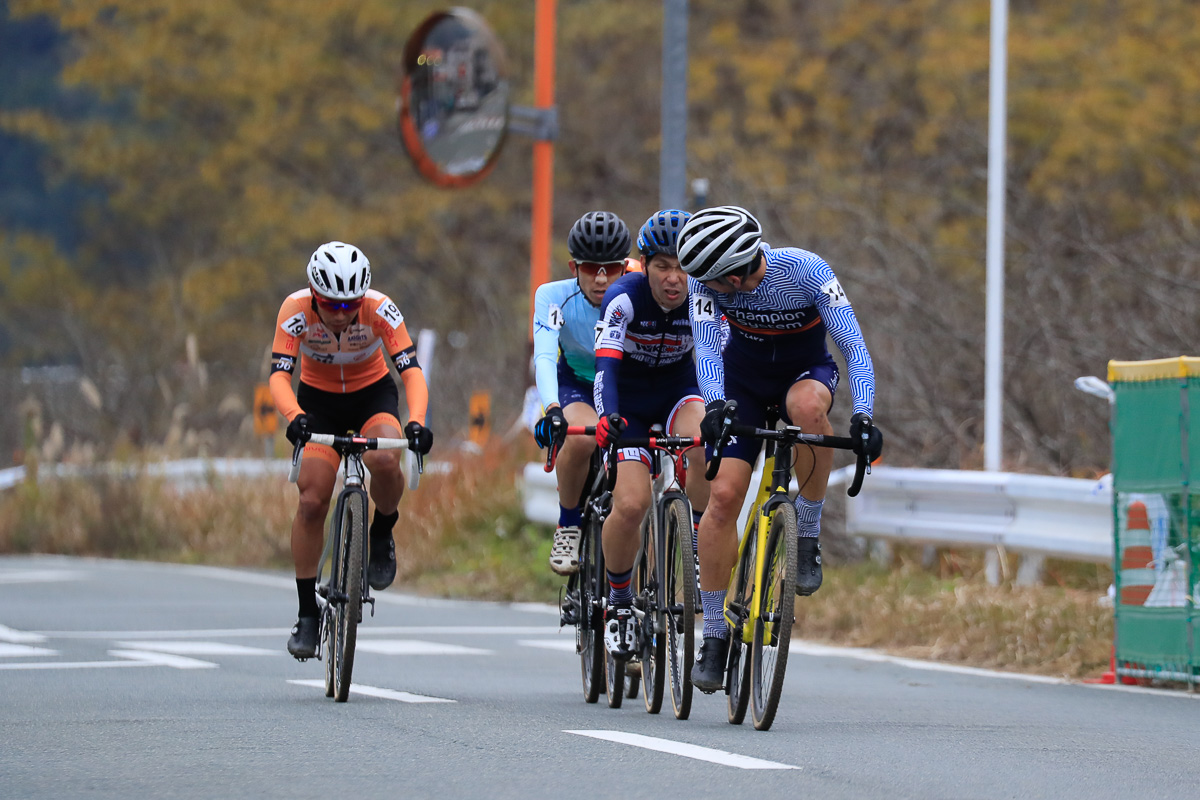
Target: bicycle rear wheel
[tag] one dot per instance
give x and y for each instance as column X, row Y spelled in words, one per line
column 347, row 583
column 651, row 636
column 773, row 628
column 590, row 630
column 737, row 605
column 679, row 595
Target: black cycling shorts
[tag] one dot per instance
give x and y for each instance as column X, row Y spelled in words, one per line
column 339, row 414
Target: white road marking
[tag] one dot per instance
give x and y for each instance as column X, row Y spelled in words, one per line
column 722, row 757
column 24, row 651
column 40, row 576
column 413, row 647
column 228, row 633
column 20, row 637
column 198, row 648
column 387, row 694
column 562, row 645
column 132, row 658
column 163, row 659
column 863, row 654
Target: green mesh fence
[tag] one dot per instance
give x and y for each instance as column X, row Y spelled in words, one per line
column 1156, row 449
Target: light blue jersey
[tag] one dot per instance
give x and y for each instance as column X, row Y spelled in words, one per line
column 564, row 326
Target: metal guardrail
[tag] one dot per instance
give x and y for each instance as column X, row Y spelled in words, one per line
column 1038, row 515
column 1068, row 518
column 185, row 473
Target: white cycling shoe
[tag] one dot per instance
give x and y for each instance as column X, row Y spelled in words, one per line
column 619, row 624
column 564, row 554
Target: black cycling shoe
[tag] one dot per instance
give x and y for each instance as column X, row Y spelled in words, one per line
column 303, row 642
column 382, row 569
column 808, row 565
column 708, row 675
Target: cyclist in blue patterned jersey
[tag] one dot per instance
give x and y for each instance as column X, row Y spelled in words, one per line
column 645, row 375
column 564, row 358
column 780, row 304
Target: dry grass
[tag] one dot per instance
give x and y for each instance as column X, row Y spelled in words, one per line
column 463, row 534
column 908, row 610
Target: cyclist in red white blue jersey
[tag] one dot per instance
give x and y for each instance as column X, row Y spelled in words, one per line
column 645, row 375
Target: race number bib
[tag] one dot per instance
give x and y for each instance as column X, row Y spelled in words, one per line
column 703, row 308
column 294, row 326
column 555, row 318
column 833, row 290
column 390, row 314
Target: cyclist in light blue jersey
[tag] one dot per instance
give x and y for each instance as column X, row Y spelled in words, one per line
column 565, row 317
column 780, row 304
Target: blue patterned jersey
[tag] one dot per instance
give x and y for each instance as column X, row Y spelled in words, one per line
column 564, row 326
column 781, row 324
column 640, row 347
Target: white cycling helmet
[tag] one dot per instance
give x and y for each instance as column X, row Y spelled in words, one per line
column 717, row 241
column 339, row 271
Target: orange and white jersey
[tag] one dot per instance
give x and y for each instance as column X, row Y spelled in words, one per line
column 344, row 362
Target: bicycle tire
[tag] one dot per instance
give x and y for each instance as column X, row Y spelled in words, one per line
column 590, row 631
column 351, row 606
column 741, row 591
column 679, row 587
column 769, row 650
column 651, row 636
column 633, row 682
column 614, row 680
column 333, row 589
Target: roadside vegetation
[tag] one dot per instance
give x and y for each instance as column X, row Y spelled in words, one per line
column 463, row 534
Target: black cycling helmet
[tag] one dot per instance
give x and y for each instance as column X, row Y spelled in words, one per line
column 599, row 236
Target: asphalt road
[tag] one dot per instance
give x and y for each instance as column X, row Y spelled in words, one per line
column 128, row 680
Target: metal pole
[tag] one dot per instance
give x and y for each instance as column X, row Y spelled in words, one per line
column 994, row 351
column 543, row 152
column 672, row 158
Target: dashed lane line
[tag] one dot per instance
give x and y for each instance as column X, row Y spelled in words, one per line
column 375, row 691
column 709, row 754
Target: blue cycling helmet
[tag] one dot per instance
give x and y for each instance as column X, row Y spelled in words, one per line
column 661, row 232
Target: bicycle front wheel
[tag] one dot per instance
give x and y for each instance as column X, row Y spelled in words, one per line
column 679, row 596
column 737, row 606
column 773, row 628
column 589, row 631
column 651, row 638
column 348, row 571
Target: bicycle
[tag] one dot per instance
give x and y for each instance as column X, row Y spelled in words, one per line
column 760, row 600
column 665, row 577
column 343, row 596
column 586, row 589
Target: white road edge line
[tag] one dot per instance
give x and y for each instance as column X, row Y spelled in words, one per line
column 722, row 757
column 222, row 633
column 374, row 691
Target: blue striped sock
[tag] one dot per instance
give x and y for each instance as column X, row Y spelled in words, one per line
column 714, row 614
column 808, row 515
column 620, row 588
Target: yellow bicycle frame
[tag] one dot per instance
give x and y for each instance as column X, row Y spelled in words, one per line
column 758, row 527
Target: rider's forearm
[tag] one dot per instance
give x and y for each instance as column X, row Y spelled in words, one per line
column 843, row 329
column 416, row 393
column 280, row 383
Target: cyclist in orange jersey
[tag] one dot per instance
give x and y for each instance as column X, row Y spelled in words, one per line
column 338, row 328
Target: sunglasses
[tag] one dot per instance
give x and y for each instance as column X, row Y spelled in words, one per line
column 338, row 305
column 594, row 268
